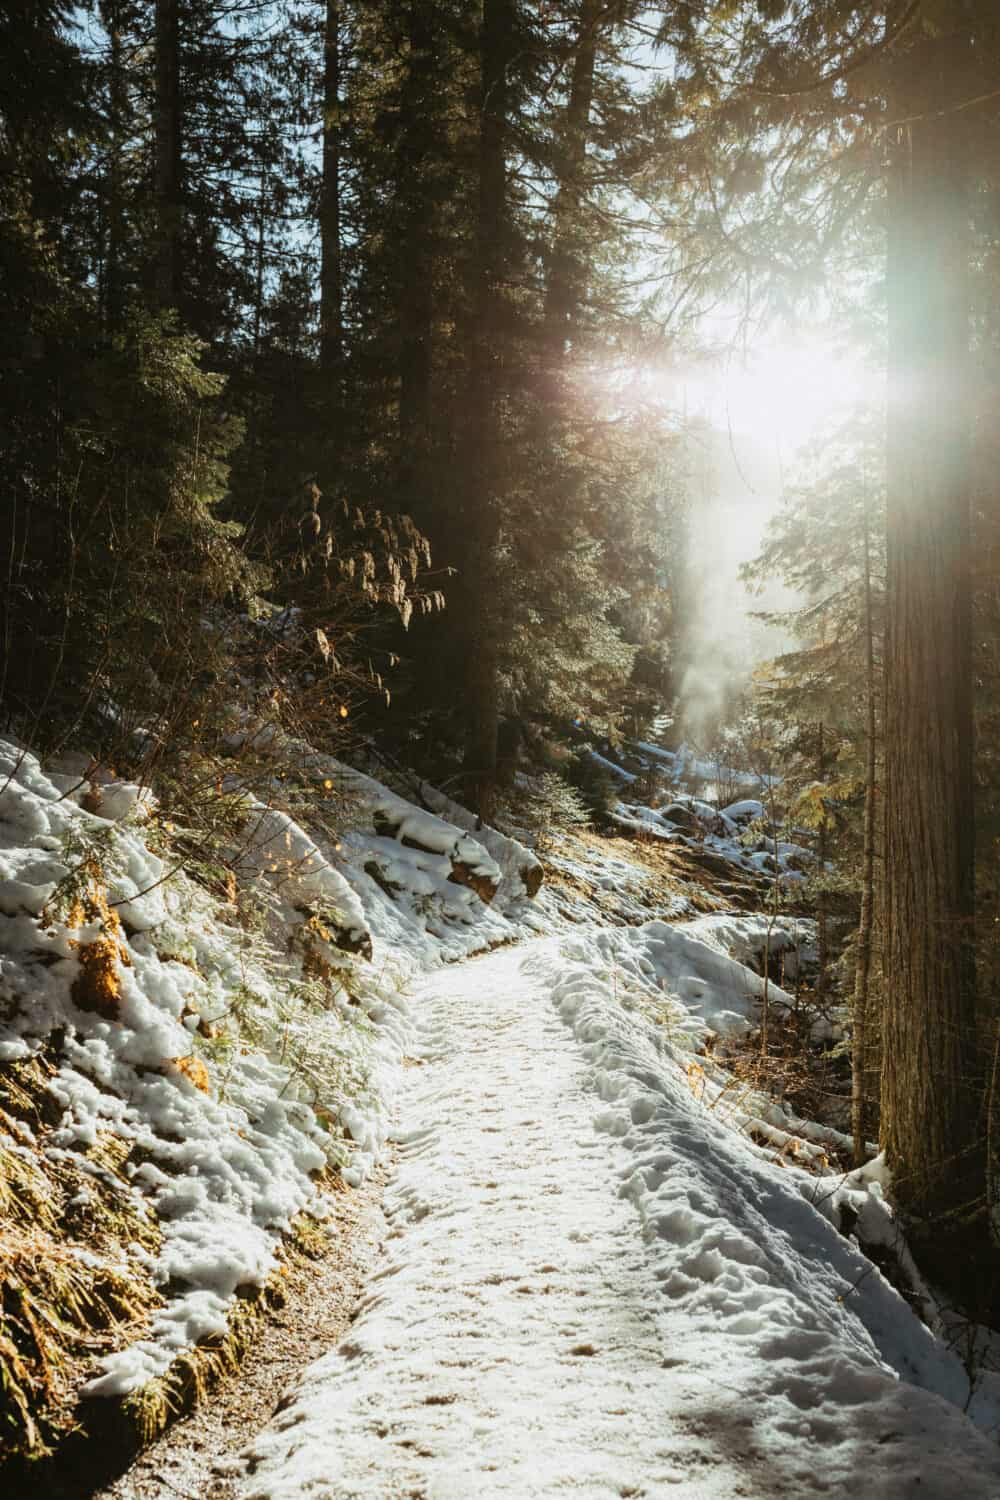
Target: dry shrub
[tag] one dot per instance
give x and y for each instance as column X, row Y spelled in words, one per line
column 97, row 987
column 194, row 1070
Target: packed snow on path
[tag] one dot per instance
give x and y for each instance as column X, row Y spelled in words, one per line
column 645, row 1308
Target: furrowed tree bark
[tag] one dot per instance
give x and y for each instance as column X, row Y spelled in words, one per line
column 863, row 960
column 482, row 582
column 167, row 257
column 928, row 1092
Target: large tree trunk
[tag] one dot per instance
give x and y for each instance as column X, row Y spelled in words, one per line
column 861, row 1007
column 167, row 267
column 928, row 1093
column 482, row 583
column 331, row 287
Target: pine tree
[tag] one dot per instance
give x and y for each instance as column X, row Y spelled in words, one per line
column 826, row 545
column 930, row 1114
column 331, row 286
column 806, row 109
column 377, row 268
column 168, row 154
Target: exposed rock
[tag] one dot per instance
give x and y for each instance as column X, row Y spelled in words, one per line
column 484, row 886
column 320, row 931
column 515, row 860
column 391, row 887
column 350, row 940
column 482, row 877
column 714, row 864
column 682, row 817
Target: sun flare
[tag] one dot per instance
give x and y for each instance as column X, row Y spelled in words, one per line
column 781, row 395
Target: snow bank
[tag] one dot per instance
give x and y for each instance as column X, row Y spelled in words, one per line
column 746, row 937
column 696, row 824
column 805, row 1327
column 609, row 766
column 224, row 1147
column 668, row 757
column 482, row 859
column 744, row 811
column 687, row 969
column 432, row 886
column 281, row 850
column 422, row 828
column 521, row 870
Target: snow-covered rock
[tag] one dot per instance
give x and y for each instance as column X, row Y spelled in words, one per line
column 521, row 870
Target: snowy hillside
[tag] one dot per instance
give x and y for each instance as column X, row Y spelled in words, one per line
column 613, row 1265
column 182, row 1069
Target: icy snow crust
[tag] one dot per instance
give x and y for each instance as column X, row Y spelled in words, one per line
column 592, row 1287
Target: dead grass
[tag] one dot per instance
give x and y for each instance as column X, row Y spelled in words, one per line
column 71, row 1285
column 97, row 987
column 196, row 1372
column 662, row 873
column 73, row 1288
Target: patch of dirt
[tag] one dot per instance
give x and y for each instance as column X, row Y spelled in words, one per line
column 192, row 1458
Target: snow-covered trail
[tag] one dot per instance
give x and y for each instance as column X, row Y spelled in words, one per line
column 523, row 1340
column 507, row 1347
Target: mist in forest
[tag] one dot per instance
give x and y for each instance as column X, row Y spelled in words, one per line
column 734, row 487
